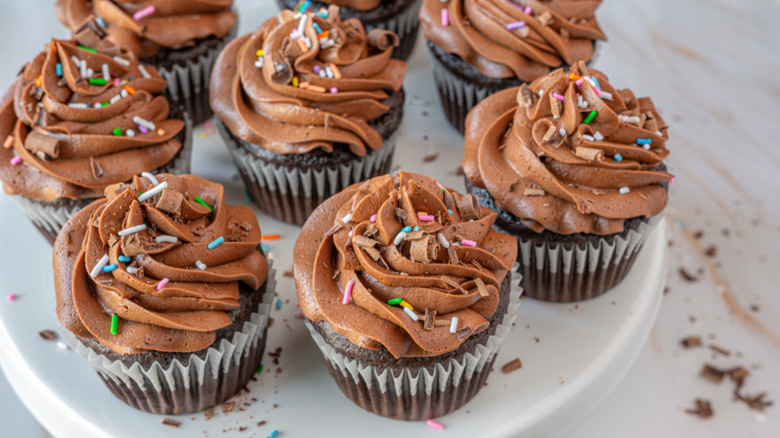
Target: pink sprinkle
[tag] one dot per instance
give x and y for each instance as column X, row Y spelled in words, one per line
column 435, row 425
column 116, row 82
column 301, row 315
column 350, row 233
column 334, row 90
column 143, row 129
column 578, row 82
column 595, row 88
column 162, row 284
column 207, row 124
column 373, row 218
column 528, row 10
column 145, row 12
column 445, row 17
column 470, row 243
column 16, row 160
column 348, row 292
column 12, row 297
column 425, row 217
column 558, row 96
column 671, row 181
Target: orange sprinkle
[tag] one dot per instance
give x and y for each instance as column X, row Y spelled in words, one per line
column 130, row 89
column 324, row 34
column 271, row 237
column 336, row 71
column 302, row 45
column 40, row 80
column 316, row 88
column 574, row 77
column 9, row 142
column 304, row 85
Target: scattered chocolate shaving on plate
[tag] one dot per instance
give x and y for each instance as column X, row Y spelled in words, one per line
column 47, row 335
column 512, row 366
column 757, row 402
column 720, row 350
column 711, row 373
column 691, row 341
column 171, row 422
column 688, row 276
column 711, row 251
column 430, row 158
column 703, row 409
column 288, row 273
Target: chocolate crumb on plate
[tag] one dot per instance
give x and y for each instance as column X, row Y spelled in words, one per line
column 208, row 413
column 261, row 423
column 720, row 350
column 711, row 251
column 512, row 366
column 47, row 335
column 711, row 373
column 171, row 422
column 430, row 158
column 703, row 409
column 691, row 341
column 688, row 276
column 228, row 406
column 288, row 273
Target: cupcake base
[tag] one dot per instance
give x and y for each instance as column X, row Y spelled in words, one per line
column 399, row 16
column 568, row 268
column 417, row 389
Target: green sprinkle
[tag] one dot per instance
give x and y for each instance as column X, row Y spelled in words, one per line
column 117, row 132
column 394, row 301
column 260, row 369
column 104, row 104
column 114, row 324
column 203, row 203
column 87, row 49
column 97, row 81
column 590, row 117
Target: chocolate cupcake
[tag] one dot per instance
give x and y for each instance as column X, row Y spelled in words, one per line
column 478, row 47
column 164, row 290
column 407, row 291
column 181, row 39
column 574, row 168
column 308, row 106
column 397, row 16
column 79, row 118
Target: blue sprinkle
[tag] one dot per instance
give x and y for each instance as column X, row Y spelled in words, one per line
column 265, row 248
column 317, row 28
column 109, row 268
column 131, row 78
column 274, row 434
column 216, row 242
column 58, row 68
column 618, row 158
column 278, row 303
column 406, row 229
column 322, row 14
column 641, row 141
column 679, row 224
column 449, row 211
column 100, row 21
column 416, row 229
column 124, row 259
column 596, row 81
column 246, row 195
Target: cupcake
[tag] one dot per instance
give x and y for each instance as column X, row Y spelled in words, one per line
column 478, row 47
column 397, row 16
column 307, row 106
column 164, row 290
column 574, row 168
column 181, row 39
column 407, row 291
column 80, row 117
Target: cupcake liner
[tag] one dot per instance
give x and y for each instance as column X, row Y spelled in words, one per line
column 50, row 217
column 559, row 272
column 291, row 194
column 189, row 84
column 188, row 387
column 416, row 394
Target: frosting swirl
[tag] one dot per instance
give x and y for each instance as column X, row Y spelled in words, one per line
column 170, row 293
column 302, row 82
column 77, row 133
column 360, row 5
column 172, row 24
column 394, row 238
column 569, row 153
column 513, row 38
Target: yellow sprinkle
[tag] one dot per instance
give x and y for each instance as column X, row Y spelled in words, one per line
column 295, row 81
column 259, row 53
column 203, row 135
column 407, row 305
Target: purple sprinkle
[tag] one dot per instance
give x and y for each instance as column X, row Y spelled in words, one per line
column 143, row 129
column 317, row 69
column 334, row 90
column 515, row 25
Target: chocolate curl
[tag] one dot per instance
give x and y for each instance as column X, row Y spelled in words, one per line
column 333, row 14
column 449, row 200
column 383, row 39
column 91, row 34
column 483, row 291
column 170, row 201
column 430, row 319
column 364, row 242
column 283, row 73
column 424, row 250
column 589, row 154
column 291, row 50
column 94, row 166
column 546, row 133
column 525, row 97
column 38, row 143
column 468, row 207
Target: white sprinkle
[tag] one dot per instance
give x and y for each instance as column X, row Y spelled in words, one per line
column 328, row 72
column 279, row 67
column 629, row 119
column 145, row 123
column 659, row 133
column 97, row 105
column 131, row 270
column 166, row 238
column 562, row 132
column 306, row 42
column 124, row 93
column 106, row 72
column 122, row 61
column 130, row 133
column 99, row 266
column 61, row 345
column 114, row 99
column 150, row 177
column 302, row 24
column 259, row 62
column 606, row 95
column 200, row 265
column 322, row 73
column 347, row 218
column 646, row 147
column 598, row 136
column 153, row 191
column 623, row 190
column 143, row 71
column 580, row 102
column 454, row 325
column 443, row 241
column 326, row 43
column 541, row 92
column 411, row 314
column 83, row 68
column 399, row 237
column 75, row 60
column 131, row 230
column 90, row 72
column 588, row 137
column 80, row 105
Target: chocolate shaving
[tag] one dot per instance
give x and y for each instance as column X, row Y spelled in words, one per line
column 363, row 241
column 525, row 97
column 333, row 14
column 687, row 276
column 335, row 274
column 246, row 226
column 414, row 235
column 373, row 253
column 738, row 374
column 401, row 215
column 512, row 366
column 720, row 350
column 545, row 18
column 691, row 341
column 291, row 49
column 47, row 335
column 383, row 39
column 37, row 141
column 371, row 230
column 228, row 406
column 556, row 106
column 477, row 265
column 464, row 332
column 757, row 402
column 483, row 292
column 711, row 373
column 171, row 422
column 430, row 319
column 424, row 250
column 112, row 239
column 533, row 192
column 430, row 158
column 199, row 230
column 336, row 227
column 288, row 274
column 589, row 154
column 62, row 82
column 468, row 207
column 442, row 323
column 170, row 201
column 703, row 409
column 452, row 254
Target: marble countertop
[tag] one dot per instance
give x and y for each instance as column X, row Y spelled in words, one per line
column 711, row 67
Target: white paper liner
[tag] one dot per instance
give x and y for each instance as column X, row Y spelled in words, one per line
column 452, row 372
column 230, row 353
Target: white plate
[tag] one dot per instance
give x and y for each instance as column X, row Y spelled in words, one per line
column 581, row 353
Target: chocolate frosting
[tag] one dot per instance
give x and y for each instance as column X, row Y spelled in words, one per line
column 360, row 5
column 185, row 313
column 556, row 33
column 341, row 243
column 536, row 153
column 286, row 106
column 73, row 152
column 174, row 24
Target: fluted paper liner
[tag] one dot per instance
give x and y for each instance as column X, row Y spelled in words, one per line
column 408, row 393
column 555, row 272
column 151, row 389
column 49, row 218
column 291, row 194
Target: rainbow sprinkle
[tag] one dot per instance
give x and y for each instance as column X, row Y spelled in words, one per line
column 435, row 425
column 203, row 203
column 162, row 284
column 590, row 117
column 114, row 324
column 348, row 292
column 216, row 242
